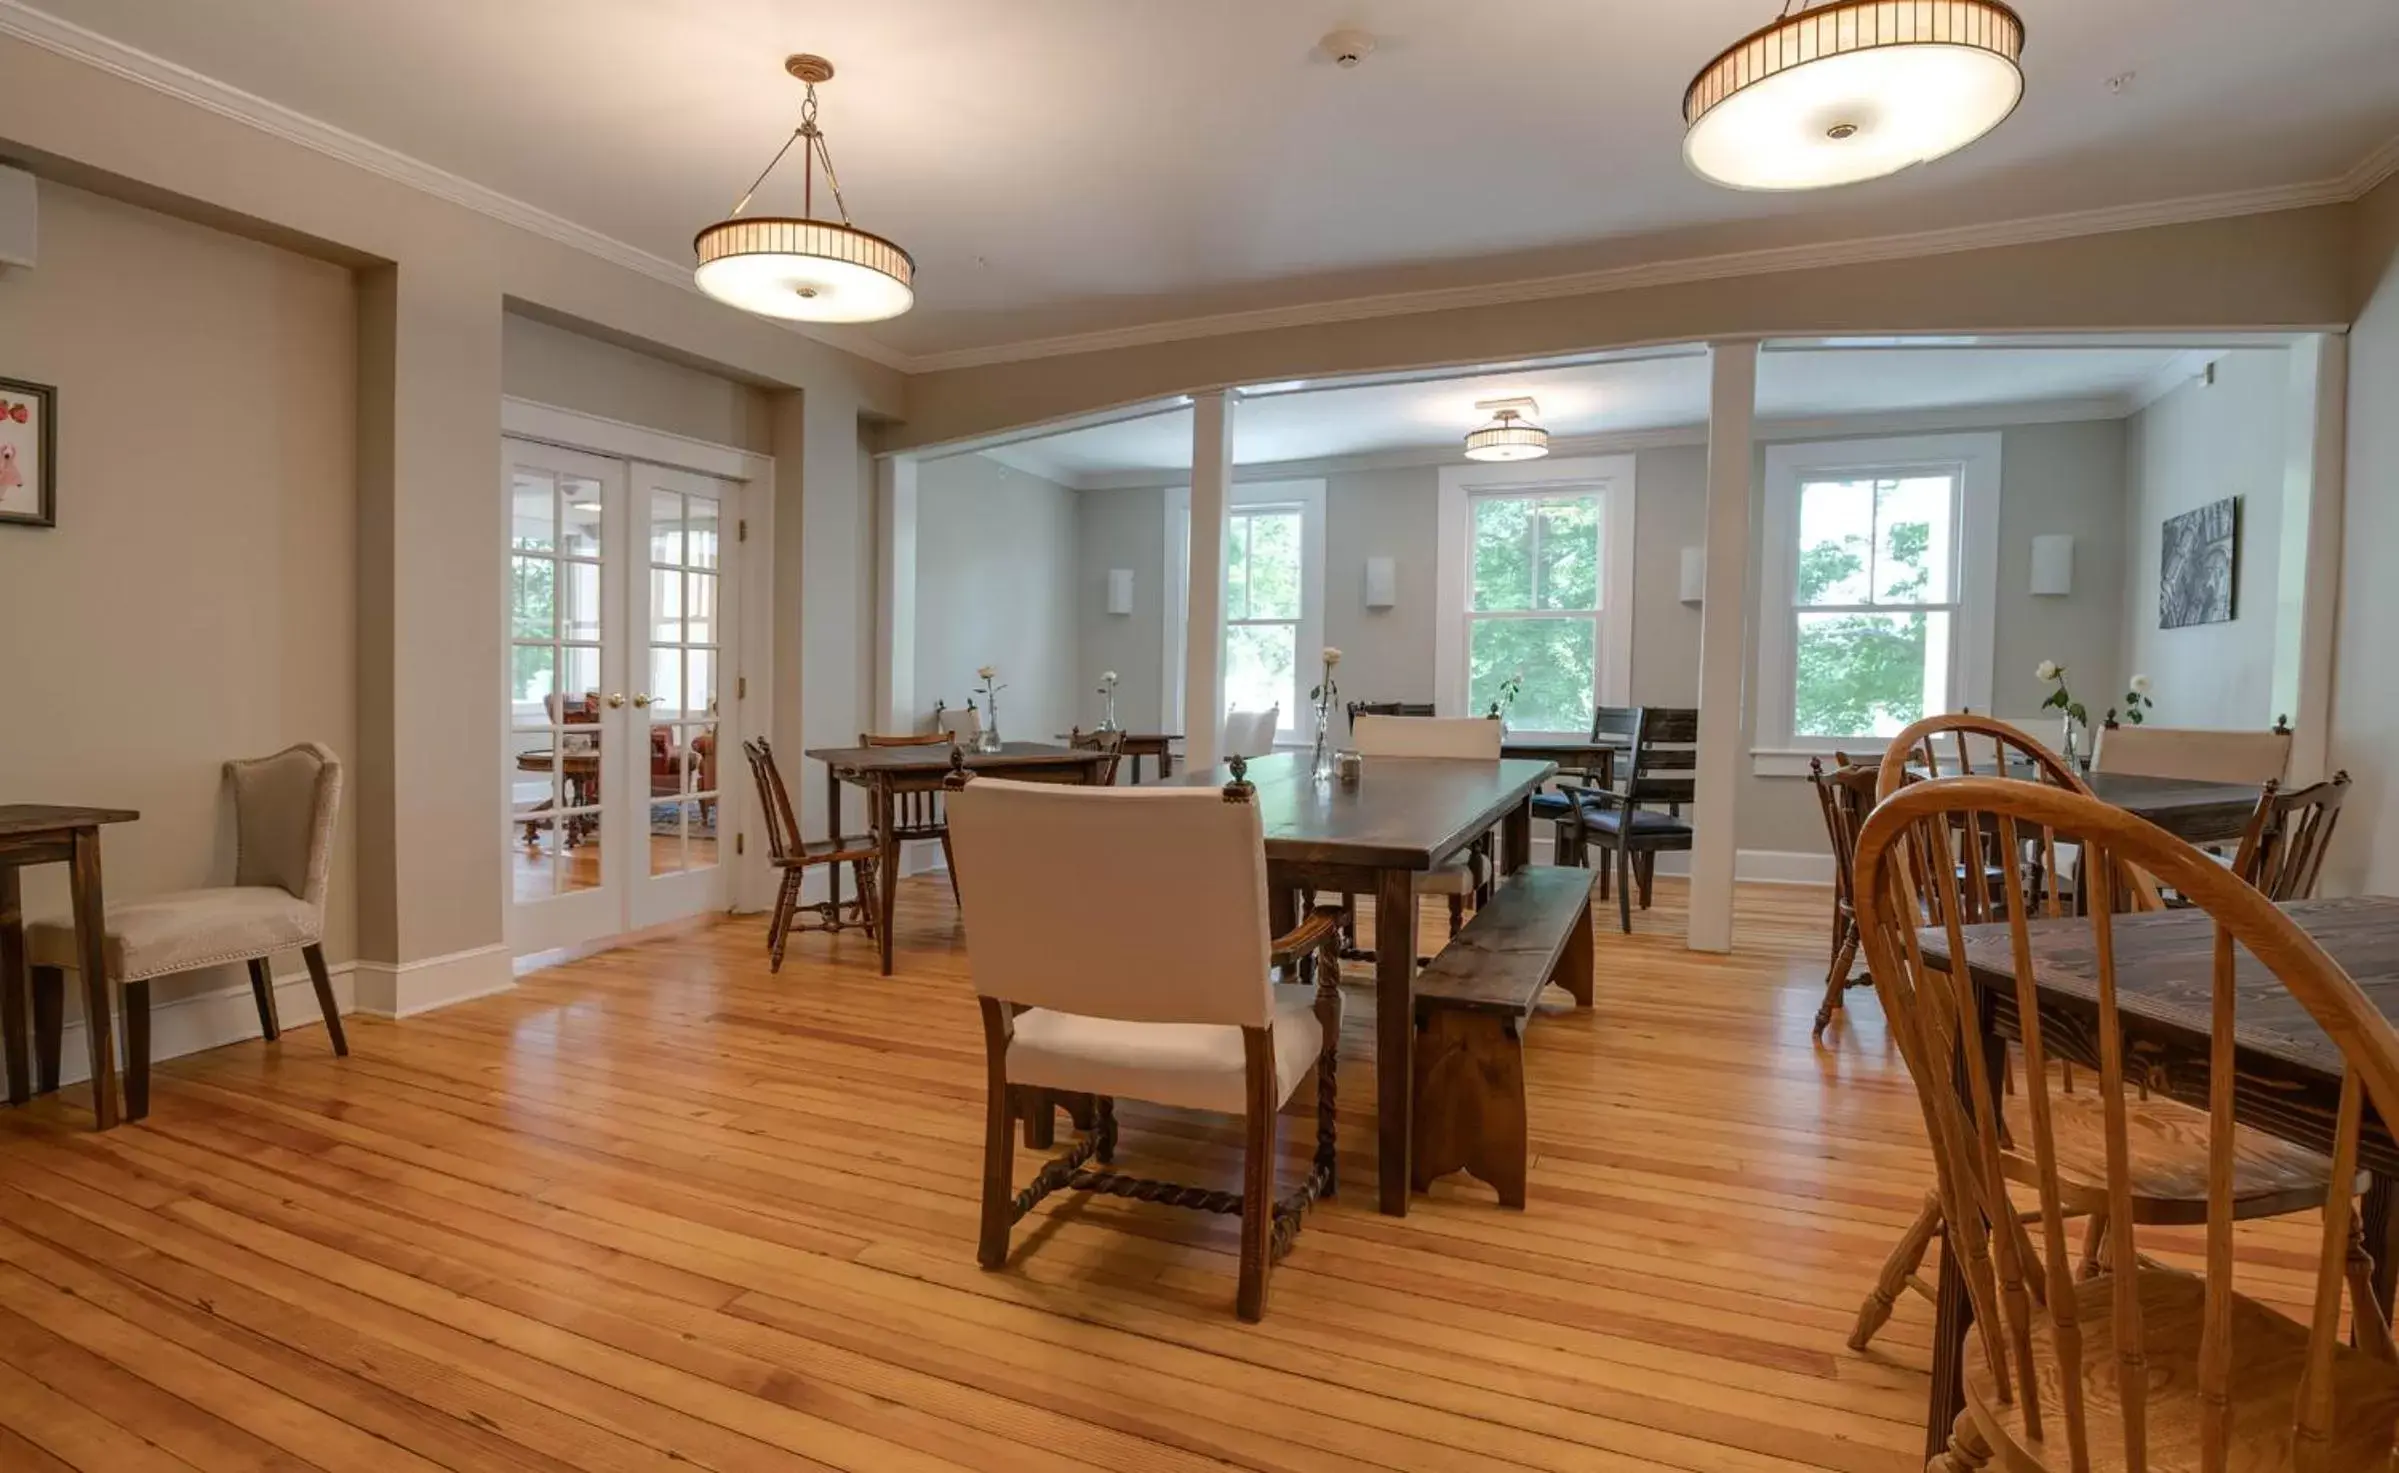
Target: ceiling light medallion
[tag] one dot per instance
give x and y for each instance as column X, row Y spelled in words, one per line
column 1852, row 90
column 805, row 269
column 1511, row 435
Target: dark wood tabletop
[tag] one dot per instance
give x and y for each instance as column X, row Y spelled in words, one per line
column 935, row 757
column 2192, row 810
column 1404, row 812
column 43, row 818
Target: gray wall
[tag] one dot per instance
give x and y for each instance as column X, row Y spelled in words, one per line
column 1120, row 529
column 2365, row 711
column 2066, row 477
column 995, row 585
column 2202, row 443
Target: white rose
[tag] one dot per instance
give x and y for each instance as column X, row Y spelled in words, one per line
column 2140, row 685
column 985, row 671
column 1332, row 656
column 2048, row 670
column 1108, row 676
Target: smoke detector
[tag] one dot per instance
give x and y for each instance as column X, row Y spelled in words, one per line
column 1346, row 48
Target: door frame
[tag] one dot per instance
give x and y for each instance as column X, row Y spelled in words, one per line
column 750, row 879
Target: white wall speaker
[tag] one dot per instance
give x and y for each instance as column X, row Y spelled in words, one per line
column 1382, row 583
column 19, row 221
column 2053, row 565
column 1120, row 590
column 1695, row 574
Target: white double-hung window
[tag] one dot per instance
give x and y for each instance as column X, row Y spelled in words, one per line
column 1876, row 605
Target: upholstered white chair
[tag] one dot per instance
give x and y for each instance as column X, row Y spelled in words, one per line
column 284, row 810
column 2258, row 757
column 1120, row 945
column 1251, row 733
column 1474, row 737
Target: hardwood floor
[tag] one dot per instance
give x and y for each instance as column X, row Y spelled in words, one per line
column 657, row 1209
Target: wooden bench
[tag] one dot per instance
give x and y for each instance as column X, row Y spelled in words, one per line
column 1471, row 1007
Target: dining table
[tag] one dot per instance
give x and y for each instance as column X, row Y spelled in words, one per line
column 2288, row 1072
column 46, row 833
column 1400, row 818
column 2194, row 810
column 1594, row 756
column 1140, row 744
column 886, row 773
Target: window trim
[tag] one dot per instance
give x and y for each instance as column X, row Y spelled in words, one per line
column 1776, row 751
column 1613, row 478
column 1297, row 727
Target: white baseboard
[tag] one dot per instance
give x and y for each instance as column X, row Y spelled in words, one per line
column 205, row 1020
column 1750, row 866
column 400, row 990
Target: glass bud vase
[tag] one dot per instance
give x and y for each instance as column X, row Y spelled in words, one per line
column 2066, row 746
column 1108, row 712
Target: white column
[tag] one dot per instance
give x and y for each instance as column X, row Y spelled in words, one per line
column 895, row 593
column 2307, row 581
column 1732, row 395
column 1203, row 656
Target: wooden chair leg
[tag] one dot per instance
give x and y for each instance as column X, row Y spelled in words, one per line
column 1623, row 860
column 863, row 871
column 1607, row 859
column 950, row 865
column 2369, row 1331
column 1899, row 1273
column 137, row 1049
column 1836, row 981
column 1257, row 1173
column 49, row 1026
column 999, row 1173
column 2094, row 1248
column 1969, row 1451
column 1457, row 914
column 322, row 981
column 778, row 927
column 1040, row 1111
column 262, row 992
column 1647, row 863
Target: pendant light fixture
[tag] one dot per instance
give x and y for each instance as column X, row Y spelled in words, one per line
column 806, row 269
column 1852, row 90
column 1511, row 435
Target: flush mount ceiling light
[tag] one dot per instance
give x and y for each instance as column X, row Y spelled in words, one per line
column 806, row 269
column 1511, row 435
column 1852, row 90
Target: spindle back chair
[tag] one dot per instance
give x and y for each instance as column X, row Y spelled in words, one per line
column 2143, row 1366
column 2282, row 851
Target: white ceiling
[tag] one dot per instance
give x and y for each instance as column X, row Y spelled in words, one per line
column 1069, row 166
column 1611, row 398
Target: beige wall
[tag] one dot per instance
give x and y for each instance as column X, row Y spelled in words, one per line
column 2365, row 711
column 996, row 578
column 555, row 365
column 2201, row 443
column 195, row 602
column 2289, row 269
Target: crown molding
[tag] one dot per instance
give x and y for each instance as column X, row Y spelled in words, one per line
column 40, row 28
column 1620, row 442
column 65, row 38
column 1861, row 250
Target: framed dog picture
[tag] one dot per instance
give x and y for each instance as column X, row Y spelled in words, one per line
column 28, row 454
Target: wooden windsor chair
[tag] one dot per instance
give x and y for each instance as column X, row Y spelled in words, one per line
column 2270, row 1177
column 2143, row 1367
column 2282, row 851
column 918, row 814
column 1846, row 795
column 1110, row 742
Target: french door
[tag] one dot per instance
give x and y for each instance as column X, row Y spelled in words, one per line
column 620, row 621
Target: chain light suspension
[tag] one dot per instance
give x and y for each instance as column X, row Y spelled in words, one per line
column 1852, row 90
column 1511, row 435
column 805, row 269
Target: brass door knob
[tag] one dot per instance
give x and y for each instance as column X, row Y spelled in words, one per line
column 644, row 701
column 616, row 698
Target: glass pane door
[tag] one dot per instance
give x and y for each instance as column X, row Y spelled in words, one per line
column 565, row 611
column 684, row 635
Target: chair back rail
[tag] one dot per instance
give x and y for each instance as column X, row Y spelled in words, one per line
column 914, row 814
column 1251, row 733
column 1387, row 708
column 1379, row 735
column 2190, row 752
column 2282, row 851
column 774, row 800
column 1110, row 742
column 1144, row 905
column 1845, row 793
column 1664, row 756
column 2031, row 1384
